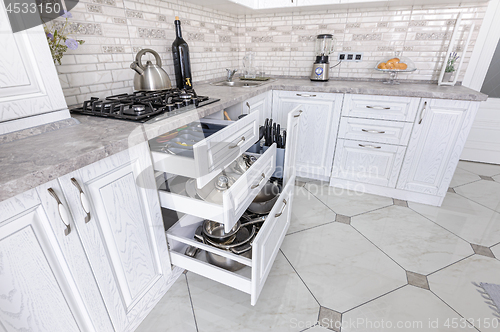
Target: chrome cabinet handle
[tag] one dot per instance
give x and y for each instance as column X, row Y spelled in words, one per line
column 373, row 131
column 63, row 212
column 422, row 114
column 378, row 107
column 83, row 199
column 248, row 105
column 238, row 144
column 282, row 209
column 370, row 146
column 258, row 184
column 307, row 96
column 296, row 116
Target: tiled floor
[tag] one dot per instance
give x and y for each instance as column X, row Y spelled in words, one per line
column 363, row 262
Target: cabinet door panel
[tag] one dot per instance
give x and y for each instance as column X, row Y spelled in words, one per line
column 125, row 240
column 29, row 83
column 319, row 123
column 36, row 288
column 367, row 162
column 435, row 145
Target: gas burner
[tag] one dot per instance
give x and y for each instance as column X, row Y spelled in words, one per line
column 141, row 106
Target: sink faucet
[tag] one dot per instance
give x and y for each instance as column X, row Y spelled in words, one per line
column 230, row 74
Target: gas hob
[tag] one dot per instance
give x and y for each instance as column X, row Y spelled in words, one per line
column 144, row 106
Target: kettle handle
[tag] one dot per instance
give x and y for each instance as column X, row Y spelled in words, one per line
column 144, row 51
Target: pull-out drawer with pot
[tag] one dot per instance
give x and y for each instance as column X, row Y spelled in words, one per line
column 379, row 131
column 368, row 162
column 213, row 201
column 380, row 107
column 202, row 149
column 264, row 248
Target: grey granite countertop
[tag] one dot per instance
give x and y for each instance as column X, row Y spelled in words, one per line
column 29, row 162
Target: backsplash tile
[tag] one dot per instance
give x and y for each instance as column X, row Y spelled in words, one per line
column 115, row 30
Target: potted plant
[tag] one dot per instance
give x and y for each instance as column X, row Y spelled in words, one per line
column 58, row 40
column 450, row 66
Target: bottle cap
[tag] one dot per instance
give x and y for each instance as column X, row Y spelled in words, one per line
column 177, row 18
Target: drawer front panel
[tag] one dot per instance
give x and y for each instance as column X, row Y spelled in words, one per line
column 220, row 149
column 266, row 245
column 379, row 131
column 368, row 162
column 380, row 107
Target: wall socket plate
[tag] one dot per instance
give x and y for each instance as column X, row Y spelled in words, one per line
column 350, row 56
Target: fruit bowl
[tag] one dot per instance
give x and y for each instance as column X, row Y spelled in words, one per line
column 394, row 65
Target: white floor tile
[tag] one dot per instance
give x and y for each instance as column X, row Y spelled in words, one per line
column 496, row 178
column 318, row 328
column 496, row 251
column 414, row 242
column 462, row 177
column 465, row 218
column 480, row 168
column 341, row 267
column 454, row 285
column 483, row 192
column 406, row 309
column 346, row 202
column 173, row 312
column 308, row 211
column 285, row 304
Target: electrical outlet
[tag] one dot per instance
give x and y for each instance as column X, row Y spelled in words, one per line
column 350, row 56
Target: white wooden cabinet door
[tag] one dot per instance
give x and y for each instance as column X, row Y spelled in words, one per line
column 37, row 290
column 436, row 142
column 125, row 238
column 319, row 122
column 29, row 83
column 368, row 162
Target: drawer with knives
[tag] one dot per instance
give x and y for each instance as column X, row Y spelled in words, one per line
column 379, row 131
column 380, row 107
column 202, row 149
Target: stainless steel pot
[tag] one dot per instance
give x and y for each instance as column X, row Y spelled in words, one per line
column 215, row 231
column 265, row 199
column 149, row 77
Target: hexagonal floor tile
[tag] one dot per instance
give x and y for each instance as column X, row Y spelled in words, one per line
column 415, row 242
column 465, row 218
column 496, row 251
column 454, row 285
column 308, row 211
column 340, row 267
column 480, row 168
column 285, row 304
column 406, row 309
column 484, row 192
column 173, row 312
column 462, row 177
column 346, row 202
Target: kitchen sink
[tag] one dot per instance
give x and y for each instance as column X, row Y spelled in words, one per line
column 239, row 84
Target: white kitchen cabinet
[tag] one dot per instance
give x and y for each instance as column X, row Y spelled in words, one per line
column 122, row 232
column 378, row 131
column 264, row 4
column 301, row 3
column 37, row 289
column 436, row 142
column 29, row 84
column 368, row 162
column 262, row 104
column 318, row 128
column 265, row 246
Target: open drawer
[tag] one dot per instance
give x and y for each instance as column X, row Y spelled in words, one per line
column 265, row 247
column 202, row 153
column 235, row 200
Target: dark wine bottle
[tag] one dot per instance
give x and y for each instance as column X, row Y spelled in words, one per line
column 182, row 64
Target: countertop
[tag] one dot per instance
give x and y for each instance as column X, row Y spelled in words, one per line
column 29, row 162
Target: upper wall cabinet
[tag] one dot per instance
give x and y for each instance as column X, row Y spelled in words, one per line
column 28, row 80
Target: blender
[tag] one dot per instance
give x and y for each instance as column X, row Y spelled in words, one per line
column 324, row 47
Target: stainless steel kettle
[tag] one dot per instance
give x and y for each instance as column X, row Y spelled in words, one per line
column 150, row 77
